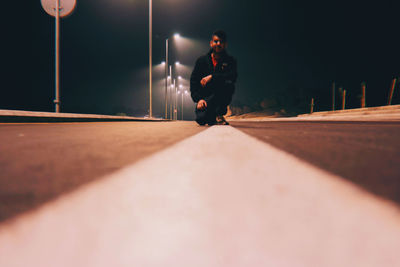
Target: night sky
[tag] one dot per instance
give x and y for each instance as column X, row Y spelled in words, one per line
column 288, row 51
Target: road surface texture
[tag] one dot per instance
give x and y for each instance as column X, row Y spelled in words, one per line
column 365, row 153
column 40, row 161
column 219, row 197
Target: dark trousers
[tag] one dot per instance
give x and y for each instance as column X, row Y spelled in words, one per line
column 208, row 115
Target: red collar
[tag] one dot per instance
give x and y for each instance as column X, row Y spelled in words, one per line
column 214, row 60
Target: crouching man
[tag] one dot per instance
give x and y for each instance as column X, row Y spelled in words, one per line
column 212, row 82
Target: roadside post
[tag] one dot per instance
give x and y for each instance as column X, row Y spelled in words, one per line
column 391, row 91
column 333, row 96
column 343, row 99
column 363, row 95
column 58, row 9
column 312, row 106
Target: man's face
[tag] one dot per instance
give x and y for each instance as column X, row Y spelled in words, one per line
column 217, row 45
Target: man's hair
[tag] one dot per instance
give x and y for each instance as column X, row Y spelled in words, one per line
column 221, row 34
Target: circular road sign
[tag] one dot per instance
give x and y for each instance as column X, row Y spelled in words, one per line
column 66, row 7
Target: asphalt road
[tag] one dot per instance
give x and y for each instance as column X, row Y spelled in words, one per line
column 365, row 153
column 40, row 161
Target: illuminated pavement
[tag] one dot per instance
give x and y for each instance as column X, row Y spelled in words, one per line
column 366, row 153
column 218, row 198
column 40, row 161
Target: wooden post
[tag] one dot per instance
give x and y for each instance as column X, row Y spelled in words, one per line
column 312, row 106
column 363, row 95
column 333, row 96
column 391, row 91
column 344, row 99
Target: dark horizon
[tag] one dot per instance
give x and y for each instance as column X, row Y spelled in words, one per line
column 287, row 52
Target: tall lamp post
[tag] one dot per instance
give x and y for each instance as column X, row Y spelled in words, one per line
column 180, row 91
column 176, row 36
column 166, row 78
column 175, row 101
column 150, row 56
column 183, row 93
column 171, row 85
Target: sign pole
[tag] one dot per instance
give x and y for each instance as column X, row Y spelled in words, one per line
column 58, row 9
column 57, row 56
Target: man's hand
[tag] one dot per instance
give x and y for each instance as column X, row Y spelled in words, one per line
column 202, row 104
column 205, row 80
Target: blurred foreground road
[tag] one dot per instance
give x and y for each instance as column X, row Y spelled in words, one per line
column 176, row 194
column 39, row 161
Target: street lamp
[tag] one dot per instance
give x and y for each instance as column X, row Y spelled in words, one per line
column 150, row 55
column 166, row 77
column 186, row 92
column 170, row 95
column 183, row 93
column 173, row 93
column 176, row 36
column 175, row 101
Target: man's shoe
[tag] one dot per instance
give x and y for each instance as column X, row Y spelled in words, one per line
column 211, row 123
column 221, row 120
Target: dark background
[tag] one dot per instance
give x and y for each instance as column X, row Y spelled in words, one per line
column 288, row 51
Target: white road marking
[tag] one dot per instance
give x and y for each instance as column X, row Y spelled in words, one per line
column 219, row 198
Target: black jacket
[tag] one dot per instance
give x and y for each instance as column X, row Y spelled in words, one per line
column 222, row 84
